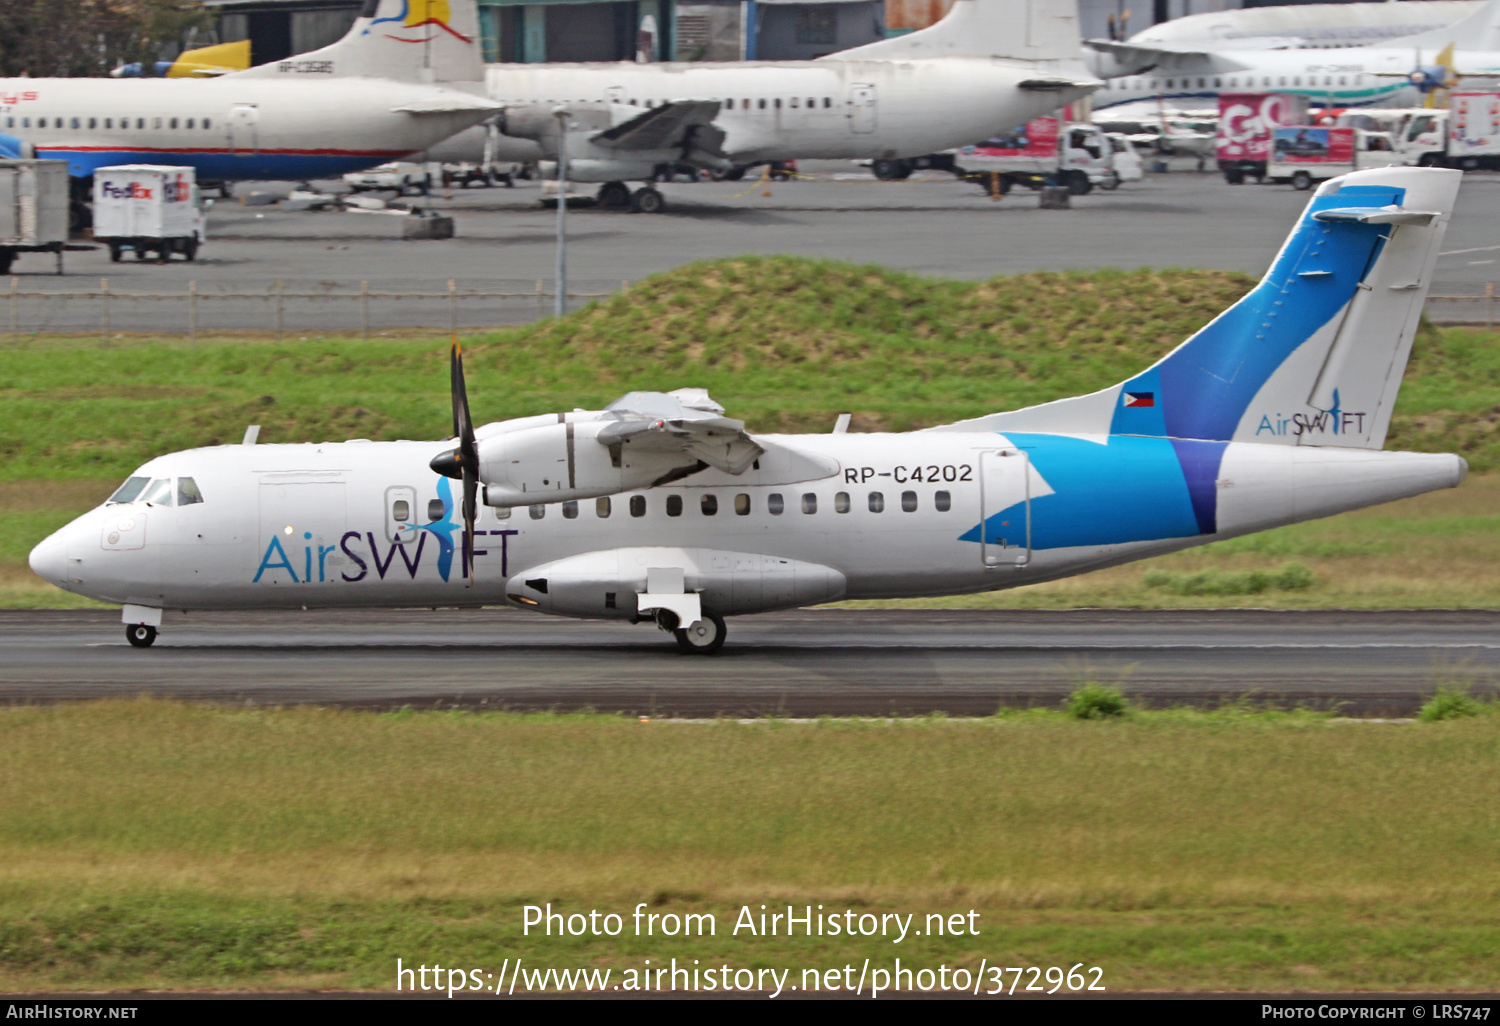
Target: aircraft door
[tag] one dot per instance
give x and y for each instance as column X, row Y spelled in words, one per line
column 1005, row 508
column 306, row 519
column 862, row 108
column 244, row 129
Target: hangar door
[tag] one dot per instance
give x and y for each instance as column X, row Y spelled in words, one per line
column 1005, row 508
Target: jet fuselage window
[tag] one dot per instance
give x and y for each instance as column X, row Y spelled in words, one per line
column 109, row 122
column 812, row 102
column 41, row 122
column 877, row 502
column 761, row 103
column 709, row 504
column 188, row 123
column 502, row 512
column 637, row 505
column 434, row 509
column 943, row 501
column 74, row 123
column 159, row 493
column 93, row 122
column 207, row 123
column 841, row 502
column 140, row 123
column 601, row 507
column 537, row 511
column 570, row 510
column 809, row 502
column 401, row 511
column 742, row 505
column 130, row 489
column 775, row 504
column 729, row 104
column 908, row 502
column 827, row 102
column 187, row 492
column 777, row 103
column 674, row 505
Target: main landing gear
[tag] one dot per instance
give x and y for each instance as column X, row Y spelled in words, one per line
column 617, row 196
column 703, row 638
column 140, row 635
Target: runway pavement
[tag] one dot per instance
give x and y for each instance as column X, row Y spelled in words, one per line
column 804, row 663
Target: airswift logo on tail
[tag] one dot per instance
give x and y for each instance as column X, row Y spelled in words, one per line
column 423, row 18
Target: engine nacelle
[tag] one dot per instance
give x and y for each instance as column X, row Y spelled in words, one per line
column 552, row 462
column 611, row 583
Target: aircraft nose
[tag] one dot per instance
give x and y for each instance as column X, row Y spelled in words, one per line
column 49, row 561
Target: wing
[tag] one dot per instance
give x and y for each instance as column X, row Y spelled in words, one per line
column 672, row 126
column 717, row 441
column 1144, row 58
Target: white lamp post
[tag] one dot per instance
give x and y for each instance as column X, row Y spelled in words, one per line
column 563, row 115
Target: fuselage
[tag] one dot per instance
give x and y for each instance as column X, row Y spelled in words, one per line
column 369, row 524
column 229, row 128
column 809, row 109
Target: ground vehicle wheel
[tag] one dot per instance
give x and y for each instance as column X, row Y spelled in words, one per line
column 1078, row 183
column 140, row 635
column 734, row 174
column 614, row 194
column 6, row 257
column 1234, row 177
column 140, row 251
column 1110, row 182
column 510, row 181
column 190, row 250
column 891, row 170
column 647, row 201
column 703, row 638
column 1470, row 164
column 115, row 252
column 1301, row 180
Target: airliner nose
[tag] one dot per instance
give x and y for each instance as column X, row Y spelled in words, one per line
column 49, row 561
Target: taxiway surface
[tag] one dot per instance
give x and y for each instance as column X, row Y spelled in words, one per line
column 803, row 663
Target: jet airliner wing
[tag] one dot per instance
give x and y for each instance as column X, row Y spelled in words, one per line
column 1167, row 58
column 654, row 422
column 670, row 126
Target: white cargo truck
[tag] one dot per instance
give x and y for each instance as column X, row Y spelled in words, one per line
column 33, row 209
column 148, row 208
column 1466, row 136
column 1306, row 154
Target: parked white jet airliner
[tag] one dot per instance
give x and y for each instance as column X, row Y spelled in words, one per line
column 1396, row 73
column 382, row 91
column 987, row 66
column 660, row 508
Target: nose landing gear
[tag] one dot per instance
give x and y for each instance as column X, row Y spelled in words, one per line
column 141, row 635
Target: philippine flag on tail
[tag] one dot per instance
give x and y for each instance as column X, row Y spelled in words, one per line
column 1140, row 399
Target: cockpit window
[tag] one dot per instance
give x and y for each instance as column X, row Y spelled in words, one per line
column 130, row 489
column 187, row 492
column 159, row 492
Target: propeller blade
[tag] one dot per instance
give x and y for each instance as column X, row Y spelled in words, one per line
column 471, row 511
column 464, row 459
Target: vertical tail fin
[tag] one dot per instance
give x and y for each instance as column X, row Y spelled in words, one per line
column 1314, row 354
column 408, row 40
column 1025, row 30
column 1479, row 31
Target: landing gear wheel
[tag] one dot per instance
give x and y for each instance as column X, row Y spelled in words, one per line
column 703, row 638
column 615, row 195
column 1301, row 180
column 1078, row 183
column 647, row 201
column 140, row 635
column 891, row 170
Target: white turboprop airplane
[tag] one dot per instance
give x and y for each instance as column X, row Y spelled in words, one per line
column 1306, row 25
column 385, row 90
column 660, row 508
column 1396, row 73
column 987, row 66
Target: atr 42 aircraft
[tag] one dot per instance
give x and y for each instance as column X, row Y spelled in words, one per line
column 376, row 94
column 988, row 65
column 660, row 509
column 1306, row 25
column 1396, row 73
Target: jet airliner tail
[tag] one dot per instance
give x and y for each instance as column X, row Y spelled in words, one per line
column 1313, row 355
column 1024, row 30
column 1479, row 31
column 409, row 40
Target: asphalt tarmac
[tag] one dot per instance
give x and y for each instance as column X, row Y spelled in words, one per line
column 802, row 663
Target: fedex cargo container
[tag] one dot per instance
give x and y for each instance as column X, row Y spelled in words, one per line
column 33, row 209
column 149, row 208
column 1246, row 121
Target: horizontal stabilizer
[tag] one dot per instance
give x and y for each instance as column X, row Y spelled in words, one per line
column 1376, row 215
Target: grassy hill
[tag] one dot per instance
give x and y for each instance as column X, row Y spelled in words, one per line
column 784, row 343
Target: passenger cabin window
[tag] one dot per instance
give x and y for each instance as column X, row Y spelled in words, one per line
column 187, row 492
column 710, row 505
column 434, row 509
column 159, row 493
column 742, row 505
column 93, row 122
column 637, row 505
column 674, row 505
column 601, row 507
column 207, row 123
column 401, row 511
column 74, row 123
column 128, row 491
column 502, row 513
column 537, row 511
column 841, row 502
column 877, row 502
column 188, row 124
column 809, row 503
column 570, row 510
column 943, row 501
column 729, row 104
column 827, row 101
column 761, row 104
column 908, row 502
column 41, row 122
column 775, row 504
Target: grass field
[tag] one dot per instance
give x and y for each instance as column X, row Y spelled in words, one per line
column 785, row 344
column 153, row 844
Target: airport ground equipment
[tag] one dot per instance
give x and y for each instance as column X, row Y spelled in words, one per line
column 1044, row 151
column 1465, row 136
column 1305, row 154
column 148, row 208
column 33, row 209
column 1246, row 121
